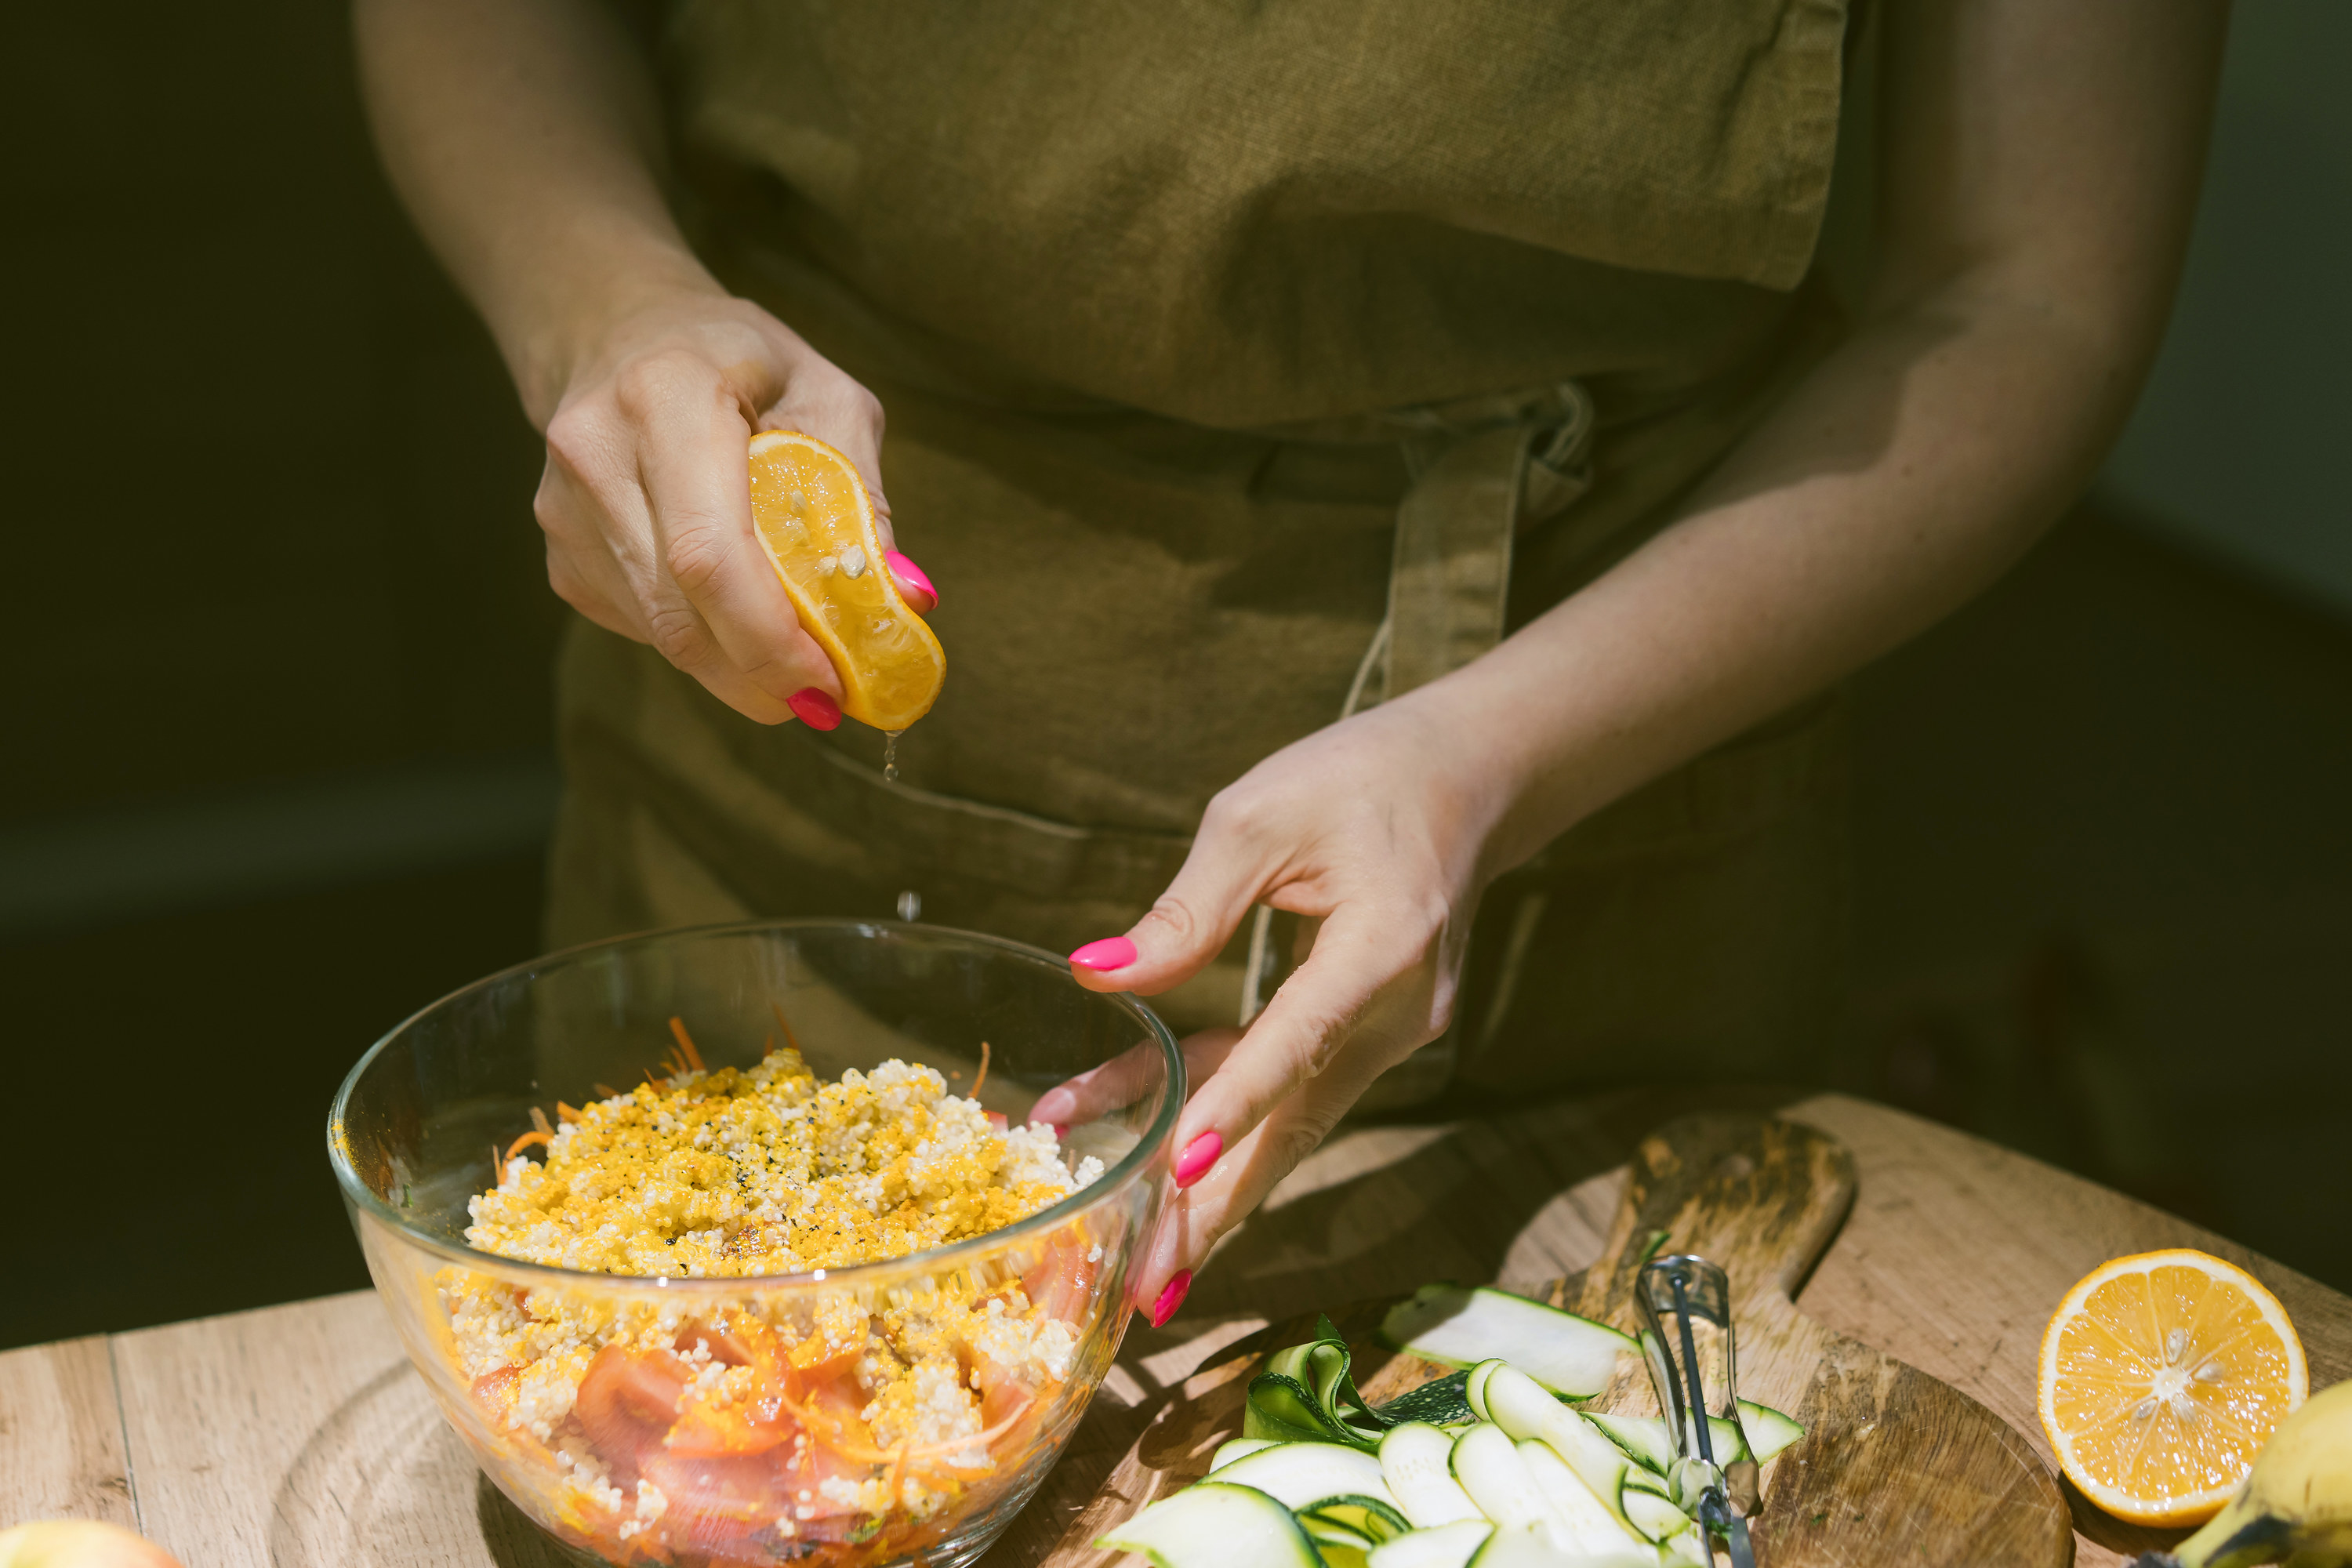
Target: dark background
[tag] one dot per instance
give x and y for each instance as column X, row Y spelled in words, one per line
column 276, row 700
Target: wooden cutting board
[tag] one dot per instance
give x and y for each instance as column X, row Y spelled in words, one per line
column 1894, row 1466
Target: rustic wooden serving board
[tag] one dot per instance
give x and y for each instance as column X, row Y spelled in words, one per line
column 1894, row 1466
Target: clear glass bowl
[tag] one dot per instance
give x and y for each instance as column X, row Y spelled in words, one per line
column 592, row 1439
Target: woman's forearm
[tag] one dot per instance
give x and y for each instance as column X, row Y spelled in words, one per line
column 2040, row 174
column 1910, row 470
column 522, row 135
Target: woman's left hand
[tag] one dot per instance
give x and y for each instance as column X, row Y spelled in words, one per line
column 1374, row 829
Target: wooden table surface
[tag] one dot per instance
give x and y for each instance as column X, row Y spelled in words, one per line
column 297, row 1434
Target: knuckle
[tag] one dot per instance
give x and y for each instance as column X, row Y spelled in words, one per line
column 695, row 556
column 1179, row 919
column 1229, row 810
column 1319, row 1050
column 865, row 408
column 564, row 580
column 651, row 383
column 1295, row 1138
column 676, row 634
column 574, row 437
column 547, row 508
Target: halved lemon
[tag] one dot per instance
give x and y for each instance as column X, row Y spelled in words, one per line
column 816, row 523
column 2163, row 1375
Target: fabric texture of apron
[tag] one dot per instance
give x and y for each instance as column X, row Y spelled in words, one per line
column 1244, row 367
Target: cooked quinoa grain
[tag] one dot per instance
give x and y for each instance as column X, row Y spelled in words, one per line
column 731, row 1173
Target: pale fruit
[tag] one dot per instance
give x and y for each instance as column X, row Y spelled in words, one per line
column 78, row 1544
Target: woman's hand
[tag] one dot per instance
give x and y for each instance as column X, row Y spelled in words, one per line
column 647, row 502
column 1374, row 828
column 524, row 137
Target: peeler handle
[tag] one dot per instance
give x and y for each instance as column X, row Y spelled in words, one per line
column 1688, row 1340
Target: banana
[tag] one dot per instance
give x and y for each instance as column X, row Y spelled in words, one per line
column 2297, row 1505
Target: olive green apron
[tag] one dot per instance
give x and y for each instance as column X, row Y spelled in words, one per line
column 1245, row 368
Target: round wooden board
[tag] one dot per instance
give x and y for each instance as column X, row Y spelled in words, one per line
column 1894, row 1465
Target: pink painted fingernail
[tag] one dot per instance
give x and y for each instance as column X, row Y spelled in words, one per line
column 914, row 576
column 1197, row 1156
column 815, row 709
column 1061, row 1129
column 1171, row 1296
column 1110, row 952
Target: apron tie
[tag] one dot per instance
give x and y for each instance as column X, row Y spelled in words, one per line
column 1483, row 470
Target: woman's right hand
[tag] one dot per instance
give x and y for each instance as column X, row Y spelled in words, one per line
column 647, row 501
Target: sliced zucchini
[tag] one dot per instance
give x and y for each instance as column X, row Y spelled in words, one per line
column 1640, row 1480
column 1302, row 1475
column 1443, row 1546
column 1458, row 1327
column 1237, row 1448
column 1212, row 1524
column 1338, row 1556
column 1370, row 1518
column 1487, row 1464
column 1641, row 1438
column 1327, row 1535
column 1647, row 1441
column 1529, row 1412
column 1582, row 1522
column 1415, row 1462
column 1474, row 1385
column 1688, row 1550
column 1768, row 1431
column 1654, row 1514
column 1306, row 1393
column 1760, row 1434
column 1439, row 1401
column 1283, row 1410
column 1533, row 1547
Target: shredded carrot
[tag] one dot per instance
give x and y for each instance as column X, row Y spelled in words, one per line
column 841, row 1444
column 686, row 1043
column 606, row 1089
column 538, row 1119
column 897, row 1490
column 981, row 1076
column 534, row 1136
column 785, row 1024
column 567, row 1114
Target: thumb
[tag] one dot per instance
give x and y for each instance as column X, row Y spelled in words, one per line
column 1188, row 927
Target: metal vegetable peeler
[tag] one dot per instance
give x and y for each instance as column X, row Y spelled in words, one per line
column 1686, row 1338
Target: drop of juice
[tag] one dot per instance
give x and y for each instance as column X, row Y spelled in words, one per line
column 890, row 760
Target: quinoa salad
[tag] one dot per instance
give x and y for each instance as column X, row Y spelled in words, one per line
column 793, row 1422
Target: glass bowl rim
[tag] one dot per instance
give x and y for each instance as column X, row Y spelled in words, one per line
column 934, row 1259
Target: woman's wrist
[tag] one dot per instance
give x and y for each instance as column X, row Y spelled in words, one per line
column 1523, row 751
column 1472, row 768
column 570, row 320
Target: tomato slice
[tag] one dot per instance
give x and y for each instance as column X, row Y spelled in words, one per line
column 1062, row 1280
column 495, row 1392
column 708, row 1432
column 717, row 1505
column 627, row 1402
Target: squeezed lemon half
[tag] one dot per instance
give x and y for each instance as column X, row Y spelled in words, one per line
column 816, row 521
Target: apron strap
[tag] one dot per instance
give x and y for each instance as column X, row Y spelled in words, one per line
column 1483, row 470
